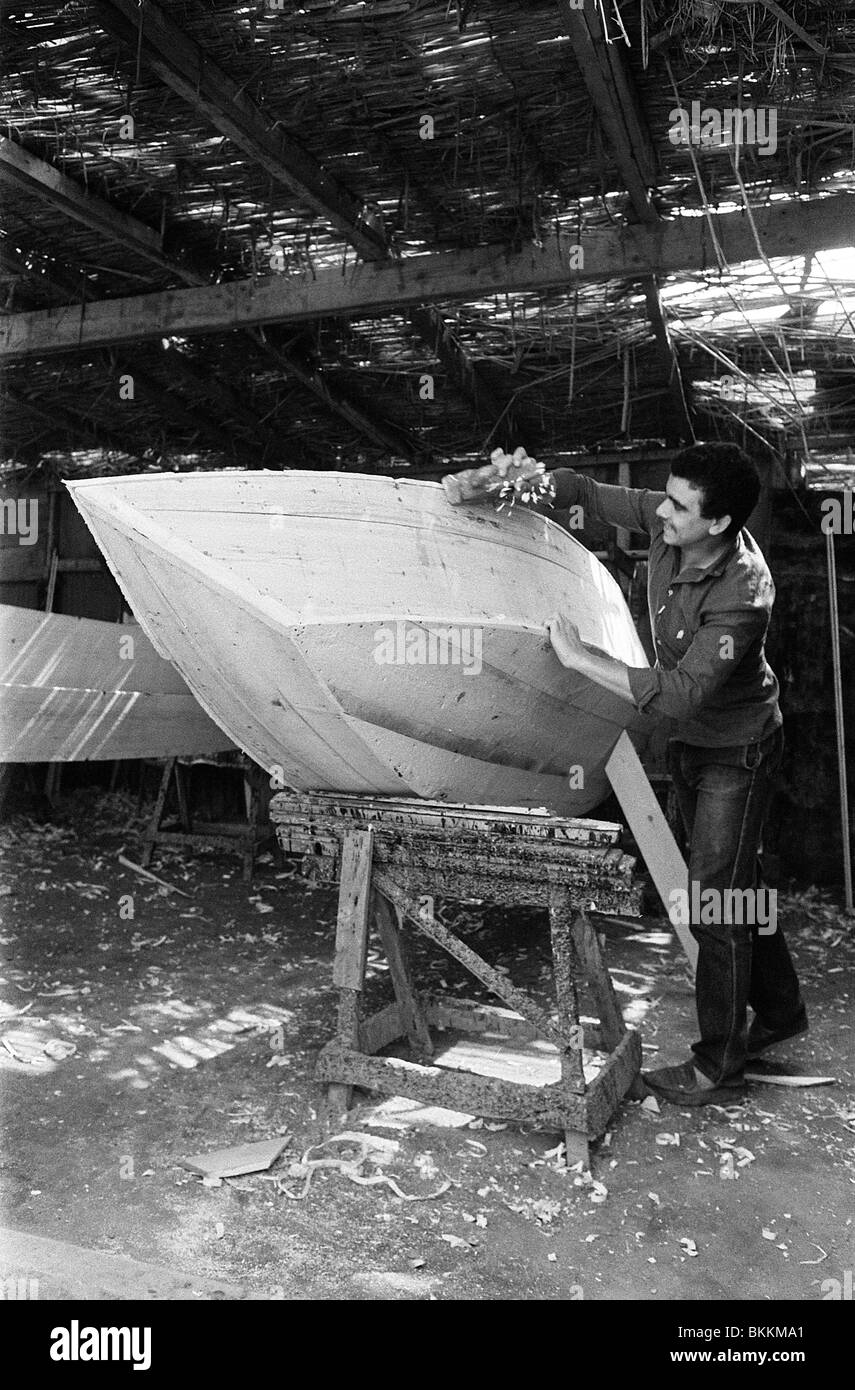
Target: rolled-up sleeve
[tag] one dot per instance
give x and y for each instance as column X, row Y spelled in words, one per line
column 633, row 508
column 719, row 645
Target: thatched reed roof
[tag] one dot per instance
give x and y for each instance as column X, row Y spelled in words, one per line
column 286, row 145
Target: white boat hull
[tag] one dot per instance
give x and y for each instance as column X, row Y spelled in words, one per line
column 358, row 634
column 78, row 690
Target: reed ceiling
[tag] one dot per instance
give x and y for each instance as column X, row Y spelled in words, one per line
column 289, row 144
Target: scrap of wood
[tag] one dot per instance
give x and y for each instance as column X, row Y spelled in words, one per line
column 145, row 873
column 652, row 832
column 234, row 1162
column 785, row 1079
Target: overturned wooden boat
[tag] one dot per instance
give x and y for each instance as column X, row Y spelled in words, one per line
column 75, row 690
column 358, row 634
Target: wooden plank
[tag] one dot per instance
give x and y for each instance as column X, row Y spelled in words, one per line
column 566, row 970
column 612, row 252
column 242, row 1158
column 407, row 811
column 609, row 1087
column 652, row 832
column 354, row 896
column 381, row 1029
column 477, row 1095
column 612, row 1026
column 409, row 1005
column 469, row 1016
column 494, row 979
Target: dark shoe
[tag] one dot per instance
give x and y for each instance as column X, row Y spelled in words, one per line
column 680, row 1086
column 759, row 1038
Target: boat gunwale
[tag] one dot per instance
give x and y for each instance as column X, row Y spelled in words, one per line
column 176, row 547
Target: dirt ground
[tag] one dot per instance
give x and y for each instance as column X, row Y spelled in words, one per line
column 130, row 1042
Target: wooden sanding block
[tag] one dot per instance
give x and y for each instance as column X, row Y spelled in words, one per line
column 471, row 484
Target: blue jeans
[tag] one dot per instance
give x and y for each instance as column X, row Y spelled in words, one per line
column 723, row 795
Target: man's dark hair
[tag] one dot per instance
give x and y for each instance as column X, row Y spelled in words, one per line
column 727, row 479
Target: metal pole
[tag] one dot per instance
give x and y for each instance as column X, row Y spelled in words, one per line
column 838, row 716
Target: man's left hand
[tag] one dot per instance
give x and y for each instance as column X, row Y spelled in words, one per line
column 566, row 642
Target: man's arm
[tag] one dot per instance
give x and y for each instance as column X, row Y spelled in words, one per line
column 633, row 508
column 716, row 650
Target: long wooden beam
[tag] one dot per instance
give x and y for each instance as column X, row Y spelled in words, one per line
column 619, row 112
column 615, row 103
column 25, row 170
column 465, row 372
column 41, row 179
column 789, row 228
column 359, row 416
column 95, row 436
column 182, row 65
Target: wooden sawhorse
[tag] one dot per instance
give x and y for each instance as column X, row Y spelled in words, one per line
column 392, row 859
column 244, row 838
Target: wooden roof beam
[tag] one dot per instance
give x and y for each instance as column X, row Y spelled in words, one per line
column 615, row 103
column 182, row 65
column 36, row 177
column 80, row 426
column 465, row 372
column 358, row 416
column 619, row 112
column 784, row 228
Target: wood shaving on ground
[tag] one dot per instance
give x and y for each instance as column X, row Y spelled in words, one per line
column 152, row 878
column 370, row 1149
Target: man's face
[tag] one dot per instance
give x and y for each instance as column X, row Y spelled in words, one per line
column 681, row 512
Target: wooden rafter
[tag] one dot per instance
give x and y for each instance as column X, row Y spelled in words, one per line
column 13, row 266
column 611, row 252
column 465, row 371
column 182, row 65
column 95, row 436
column 35, row 176
column 47, row 183
column 619, row 112
column 200, row 422
column 358, row 415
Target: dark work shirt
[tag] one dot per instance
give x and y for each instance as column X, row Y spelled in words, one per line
column 709, row 626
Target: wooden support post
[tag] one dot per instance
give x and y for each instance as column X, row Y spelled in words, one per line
column 612, row 1026
column 251, row 798
column 351, row 947
column 183, row 801
column 157, row 814
column 652, row 832
column 413, row 1023
column 566, row 970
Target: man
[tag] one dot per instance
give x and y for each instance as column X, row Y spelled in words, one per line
column 710, row 597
